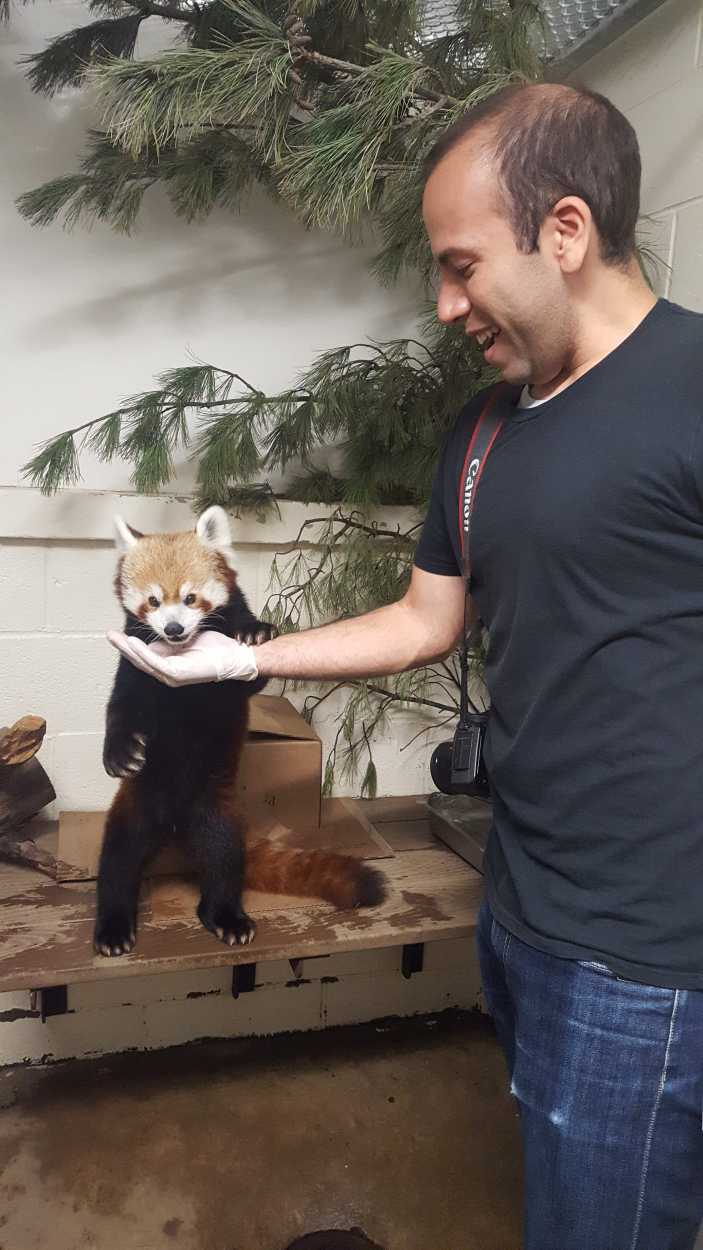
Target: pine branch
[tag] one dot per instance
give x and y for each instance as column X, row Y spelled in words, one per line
column 110, row 186
column 426, row 729
column 249, row 102
column 409, row 698
column 353, row 566
column 66, row 60
column 171, row 12
column 257, row 499
column 315, row 486
column 388, row 408
column 114, row 8
column 215, row 168
column 227, row 448
column 153, row 104
column 146, row 430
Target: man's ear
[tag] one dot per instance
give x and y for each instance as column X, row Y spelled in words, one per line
column 125, row 536
column 570, row 225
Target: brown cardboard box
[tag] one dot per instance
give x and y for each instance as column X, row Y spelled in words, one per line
column 280, row 775
column 279, row 784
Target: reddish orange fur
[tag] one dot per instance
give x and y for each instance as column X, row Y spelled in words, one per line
column 338, row 879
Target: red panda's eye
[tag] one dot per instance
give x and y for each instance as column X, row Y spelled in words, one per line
column 153, row 601
column 189, row 600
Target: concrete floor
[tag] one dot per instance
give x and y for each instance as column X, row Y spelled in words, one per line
column 406, row 1130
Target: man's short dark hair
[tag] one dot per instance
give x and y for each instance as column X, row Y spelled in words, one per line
column 549, row 141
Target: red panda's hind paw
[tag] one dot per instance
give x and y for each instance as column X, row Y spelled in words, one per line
column 371, row 887
column 115, row 934
column 228, row 923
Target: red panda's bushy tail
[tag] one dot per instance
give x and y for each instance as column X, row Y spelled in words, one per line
column 338, row 879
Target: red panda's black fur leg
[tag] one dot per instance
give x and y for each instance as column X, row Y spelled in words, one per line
column 130, row 840
column 218, row 848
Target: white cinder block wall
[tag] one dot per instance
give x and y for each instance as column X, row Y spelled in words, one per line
column 654, row 73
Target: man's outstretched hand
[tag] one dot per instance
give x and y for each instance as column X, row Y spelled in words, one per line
column 210, row 657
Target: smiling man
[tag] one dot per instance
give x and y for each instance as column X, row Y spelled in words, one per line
column 587, row 569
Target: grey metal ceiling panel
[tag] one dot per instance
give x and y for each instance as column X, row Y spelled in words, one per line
column 569, row 25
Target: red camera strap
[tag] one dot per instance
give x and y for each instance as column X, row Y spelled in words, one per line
column 485, row 433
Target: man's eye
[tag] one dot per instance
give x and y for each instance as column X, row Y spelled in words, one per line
column 153, row 601
column 189, row 600
column 468, row 272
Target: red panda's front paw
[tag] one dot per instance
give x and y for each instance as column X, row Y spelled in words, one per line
column 124, row 753
column 257, row 633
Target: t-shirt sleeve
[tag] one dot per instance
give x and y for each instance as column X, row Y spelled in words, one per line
column 434, row 552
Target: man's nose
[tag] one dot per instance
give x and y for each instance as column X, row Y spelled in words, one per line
column 453, row 304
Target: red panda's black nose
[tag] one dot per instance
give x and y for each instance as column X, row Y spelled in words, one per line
column 173, row 629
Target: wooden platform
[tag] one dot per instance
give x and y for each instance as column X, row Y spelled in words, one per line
column 46, row 929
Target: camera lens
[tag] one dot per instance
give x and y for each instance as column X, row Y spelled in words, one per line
column 441, row 767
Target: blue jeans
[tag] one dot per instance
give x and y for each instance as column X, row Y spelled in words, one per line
column 608, row 1076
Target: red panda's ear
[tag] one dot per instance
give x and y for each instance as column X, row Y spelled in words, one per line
column 125, row 536
column 213, row 532
column 213, row 528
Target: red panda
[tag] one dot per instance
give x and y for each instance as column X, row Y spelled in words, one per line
column 177, row 750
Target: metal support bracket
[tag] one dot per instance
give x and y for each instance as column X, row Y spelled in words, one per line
column 53, row 1001
column 243, row 979
column 413, row 959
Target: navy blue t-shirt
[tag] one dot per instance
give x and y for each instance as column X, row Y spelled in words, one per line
column 587, row 570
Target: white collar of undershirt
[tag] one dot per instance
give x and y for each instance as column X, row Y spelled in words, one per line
column 527, row 400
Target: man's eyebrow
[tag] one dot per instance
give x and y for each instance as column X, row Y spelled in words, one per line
column 450, row 253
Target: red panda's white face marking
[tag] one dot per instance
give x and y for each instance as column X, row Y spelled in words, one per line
column 173, row 582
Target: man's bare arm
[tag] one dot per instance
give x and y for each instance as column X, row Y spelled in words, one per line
column 422, row 626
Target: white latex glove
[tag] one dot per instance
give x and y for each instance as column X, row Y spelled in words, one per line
column 209, row 657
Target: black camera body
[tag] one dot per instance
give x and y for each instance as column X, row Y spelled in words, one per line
column 457, row 767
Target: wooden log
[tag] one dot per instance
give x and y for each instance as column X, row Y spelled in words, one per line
column 26, row 851
column 21, row 741
column 24, row 790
